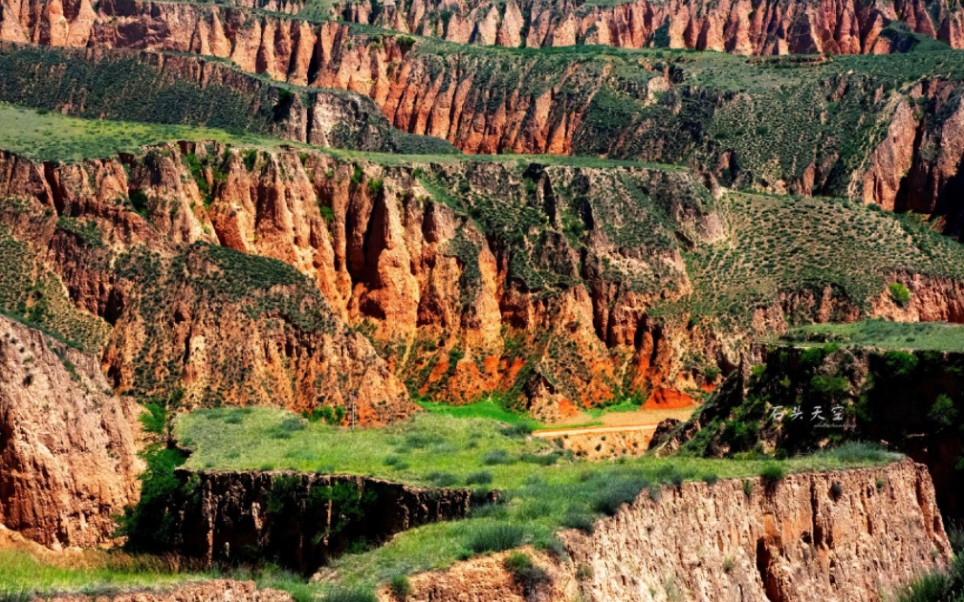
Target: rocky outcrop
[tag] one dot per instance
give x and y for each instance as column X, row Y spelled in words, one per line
column 471, row 278
column 853, row 535
column 836, row 536
column 301, row 520
column 738, row 26
column 68, row 460
column 215, row 590
column 189, row 320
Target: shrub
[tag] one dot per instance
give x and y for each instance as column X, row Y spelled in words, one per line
column 747, row 488
column 943, row 413
column 481, row 477
column 937, row 586
column 855, row 452
column 496, row 456
column 442, row 479
column 523, row 570
column 614, row 494
column 773, row 473
column 349, row 595
column 542, row 459
column 517, row 562
column 899, row 294
column 521, row 429
column 574, row 519
column 400, row 587
column 495, row 537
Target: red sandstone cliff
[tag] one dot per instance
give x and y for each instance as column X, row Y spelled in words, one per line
column 68, row 460
column 738, row 26
column 484, row 103
column 186, row 315
column 470, row 278
column 459, row 306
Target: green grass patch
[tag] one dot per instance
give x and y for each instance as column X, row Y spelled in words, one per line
column 539, row 497
column 47, row 136
column 22, row 573
column 488, row 409
column 930, row 336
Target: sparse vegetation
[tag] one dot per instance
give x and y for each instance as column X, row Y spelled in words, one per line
column 538, row 499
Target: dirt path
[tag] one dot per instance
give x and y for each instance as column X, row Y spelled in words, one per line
column 621, row 433
column 593, row 430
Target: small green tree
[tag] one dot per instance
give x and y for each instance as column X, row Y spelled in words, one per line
column 899, row 294
column 943, row 413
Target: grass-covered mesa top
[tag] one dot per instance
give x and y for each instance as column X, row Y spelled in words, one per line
column 543, row 488
column 927, row 336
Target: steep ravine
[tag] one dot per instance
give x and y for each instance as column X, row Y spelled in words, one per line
column 463, row 295
column 835, row 536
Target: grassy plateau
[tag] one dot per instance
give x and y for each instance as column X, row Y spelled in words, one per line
column 543, row 488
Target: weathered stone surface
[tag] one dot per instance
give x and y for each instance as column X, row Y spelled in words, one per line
column 836, row 536
column 68, row 460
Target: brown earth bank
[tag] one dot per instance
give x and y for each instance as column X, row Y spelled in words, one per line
column 762, row 27
column 836, row 536
column 216, row 590
column 301, row 520
column 859, row 132
column 67, row 445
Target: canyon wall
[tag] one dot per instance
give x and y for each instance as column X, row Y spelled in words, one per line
column 528, row 280
column 763, row 27
column 552, row 286
column 838, row 536
column 186, row 319
column 835, row 536
column 301, row 520
column 902, row 142
column 68, row 460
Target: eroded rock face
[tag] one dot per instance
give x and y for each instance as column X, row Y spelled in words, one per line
column 469, row 277
column 301, row 520
column 738, row 26
column 68, row 459
column 215, row 590
column 837, row 536
column 190, row 319
column 853, row 535
column 487, row 102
